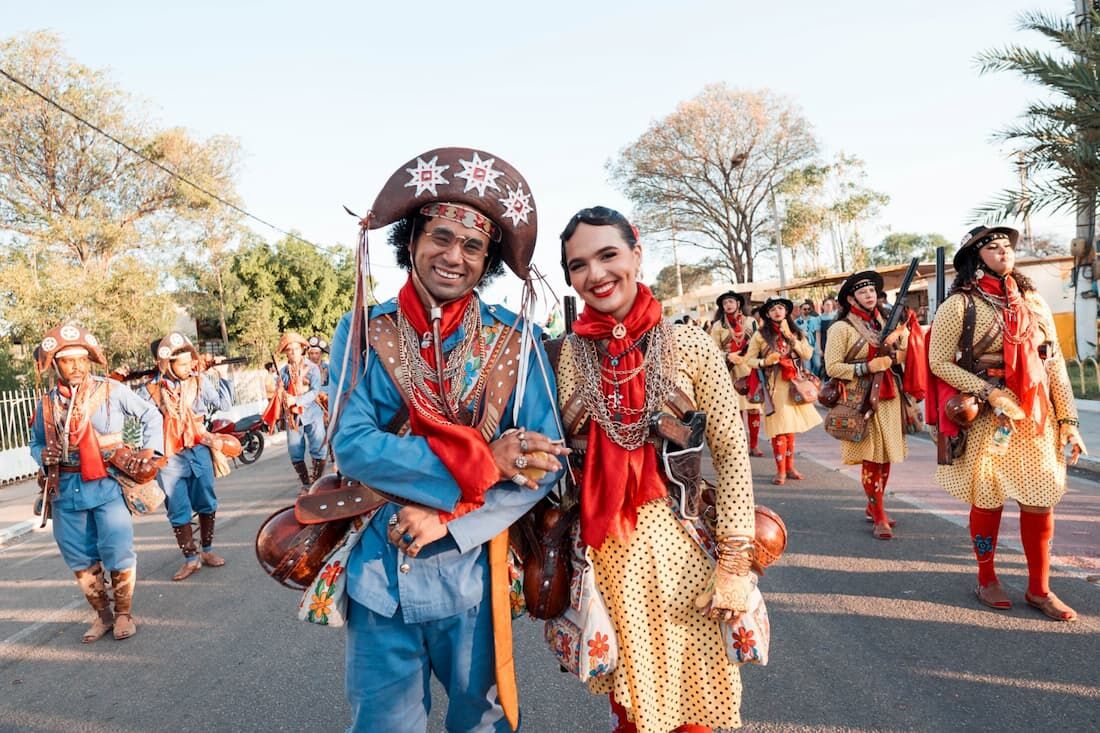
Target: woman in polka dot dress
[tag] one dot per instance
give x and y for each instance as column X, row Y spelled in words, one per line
column 775, row 347
column 664, row 593
column 731, row 330
column 1014, row 448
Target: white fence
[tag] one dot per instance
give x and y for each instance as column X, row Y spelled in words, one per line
column 17, row 408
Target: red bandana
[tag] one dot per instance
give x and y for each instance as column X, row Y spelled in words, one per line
column 81, row 432
column 462, row 449
column 1025, row 373
column 738, row 333
column 617, row 481
column 787, row 368
column 887, row 390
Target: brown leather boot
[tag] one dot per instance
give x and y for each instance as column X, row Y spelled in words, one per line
column 303, row 475
column 206, row 536
column 122, row 581
column 91, row 585
column 318, row 469
column 185, row 538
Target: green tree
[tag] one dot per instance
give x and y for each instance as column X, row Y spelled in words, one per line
column 1058, row 140
column 851, row 203
column 308, row 289
column 693, row 277
column 707, row 169
column 899, row 247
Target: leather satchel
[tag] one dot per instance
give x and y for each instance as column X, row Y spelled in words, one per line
column 844, row 422
column 541, row 538
column 831, row 393
column 741, row 386
column 804, row 388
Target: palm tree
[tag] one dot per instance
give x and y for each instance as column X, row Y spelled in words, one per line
column 1058, row 140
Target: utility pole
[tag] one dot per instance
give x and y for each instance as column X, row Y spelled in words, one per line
column 675, row 256
column 1084, row 307
column 778, row 245
column 1021, row 167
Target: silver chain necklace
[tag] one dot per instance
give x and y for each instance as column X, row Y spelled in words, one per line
column 416, row 372
column 626, row 426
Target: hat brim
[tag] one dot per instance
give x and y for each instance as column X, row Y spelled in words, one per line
column 730, row 294
column 970, row 246
column 847, row 288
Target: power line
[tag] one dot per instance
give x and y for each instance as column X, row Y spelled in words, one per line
column 160, row 166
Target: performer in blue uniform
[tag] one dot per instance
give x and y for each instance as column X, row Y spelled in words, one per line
column 76, row 421
column 184, row 398
column 305, row 417
column 479, row 412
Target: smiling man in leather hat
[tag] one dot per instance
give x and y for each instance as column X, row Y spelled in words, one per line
column 470, row 461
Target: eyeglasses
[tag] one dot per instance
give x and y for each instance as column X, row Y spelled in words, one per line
column 471, row 248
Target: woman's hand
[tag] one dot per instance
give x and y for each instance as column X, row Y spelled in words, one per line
column 879, row 364
column 735, row 358
column 524, row 456
column 1069, row 435
column 415, row 527
column 893, row 336
column 726, row 595
column 771, row 359
column 1003, row 401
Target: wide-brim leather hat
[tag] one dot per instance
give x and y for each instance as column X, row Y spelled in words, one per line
column 68, row 337
column 316, row 342
column 731, row 294
column 973, row 240
column 470, row 178
column 777, row 300
column 859, row 280
column 291, row 337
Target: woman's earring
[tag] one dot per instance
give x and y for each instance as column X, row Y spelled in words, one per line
column 979, row 273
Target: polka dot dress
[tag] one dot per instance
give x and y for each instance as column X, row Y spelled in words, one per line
column 788, row 417
column 673, row 669
column 885, row 439
column 721, row 334
column 1033, row 472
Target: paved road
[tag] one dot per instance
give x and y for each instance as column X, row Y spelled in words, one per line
column 868, row 635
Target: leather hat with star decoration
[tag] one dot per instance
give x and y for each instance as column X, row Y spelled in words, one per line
column 469, row 178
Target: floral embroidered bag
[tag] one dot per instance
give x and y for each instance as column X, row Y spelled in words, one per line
column 748, row 637
column 583, row 637
column 325, row 602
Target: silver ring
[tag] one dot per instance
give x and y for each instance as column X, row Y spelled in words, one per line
column 520, row 462
column 524, row 447
column 415, row 547
column 519, row 479
column 522, row 436
column 393, row 520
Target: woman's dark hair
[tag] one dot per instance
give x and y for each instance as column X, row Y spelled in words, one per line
column 964, row 276
column 597, row 216
column 408, row 229
column 771, row 332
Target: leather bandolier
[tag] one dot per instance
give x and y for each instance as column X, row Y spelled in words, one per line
column 973, row 357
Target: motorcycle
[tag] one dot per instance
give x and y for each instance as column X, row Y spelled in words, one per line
column 248, row 430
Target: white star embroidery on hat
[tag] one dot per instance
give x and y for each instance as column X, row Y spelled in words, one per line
column 49, row 343
column 479, row 174
column 426, row 176
column 70, row 333
column 517, row 205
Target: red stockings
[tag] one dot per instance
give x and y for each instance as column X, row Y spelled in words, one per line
column 874, row 477
column 754, row 431
column 984, row 527
column 1036, row 532
column 779, row 450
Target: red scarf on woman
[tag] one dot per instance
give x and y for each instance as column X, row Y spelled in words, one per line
column 617, row 481
column 787, row 368
column 1025, row 373
column 738, row 333
column 462, row 449
column 886, row 391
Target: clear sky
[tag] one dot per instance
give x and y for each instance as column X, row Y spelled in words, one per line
column 329, row 98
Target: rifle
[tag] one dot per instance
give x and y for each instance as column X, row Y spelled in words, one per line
column 899, row 302
column 141, row 374
column 570, row 312
column 941, row 284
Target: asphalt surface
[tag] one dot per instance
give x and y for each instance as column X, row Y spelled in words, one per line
column 867, row 635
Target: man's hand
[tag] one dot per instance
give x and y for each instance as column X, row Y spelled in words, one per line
column 415, row 528
column 524, row 456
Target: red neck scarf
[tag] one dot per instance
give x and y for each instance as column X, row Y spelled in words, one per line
column 617, row 481
column 81, row 432
column 887, row 390
column 738, row 332
column 787, row 369
column 181, row 424
column 1025, row 373
column 462, row 449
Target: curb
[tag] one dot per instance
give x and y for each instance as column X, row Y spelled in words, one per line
column 17, row 530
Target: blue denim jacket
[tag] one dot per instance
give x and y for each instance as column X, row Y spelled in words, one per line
column 75, row 494
column 452, row 574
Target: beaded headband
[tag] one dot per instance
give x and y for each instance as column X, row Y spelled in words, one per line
column 465, row 216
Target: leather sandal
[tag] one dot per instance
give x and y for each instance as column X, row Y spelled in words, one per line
column 1052, row 606
column 870, row 517
column 189, row 568
column 994, row 596
column 795, row 474
column 882, row 531
column 124, row 626
column 780, row 479
column 97, row 630
column 756, row 453
column 212, row 559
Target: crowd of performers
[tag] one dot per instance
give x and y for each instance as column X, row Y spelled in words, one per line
column 453, row 408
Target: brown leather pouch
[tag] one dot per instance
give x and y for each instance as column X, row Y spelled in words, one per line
column 542, row 538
